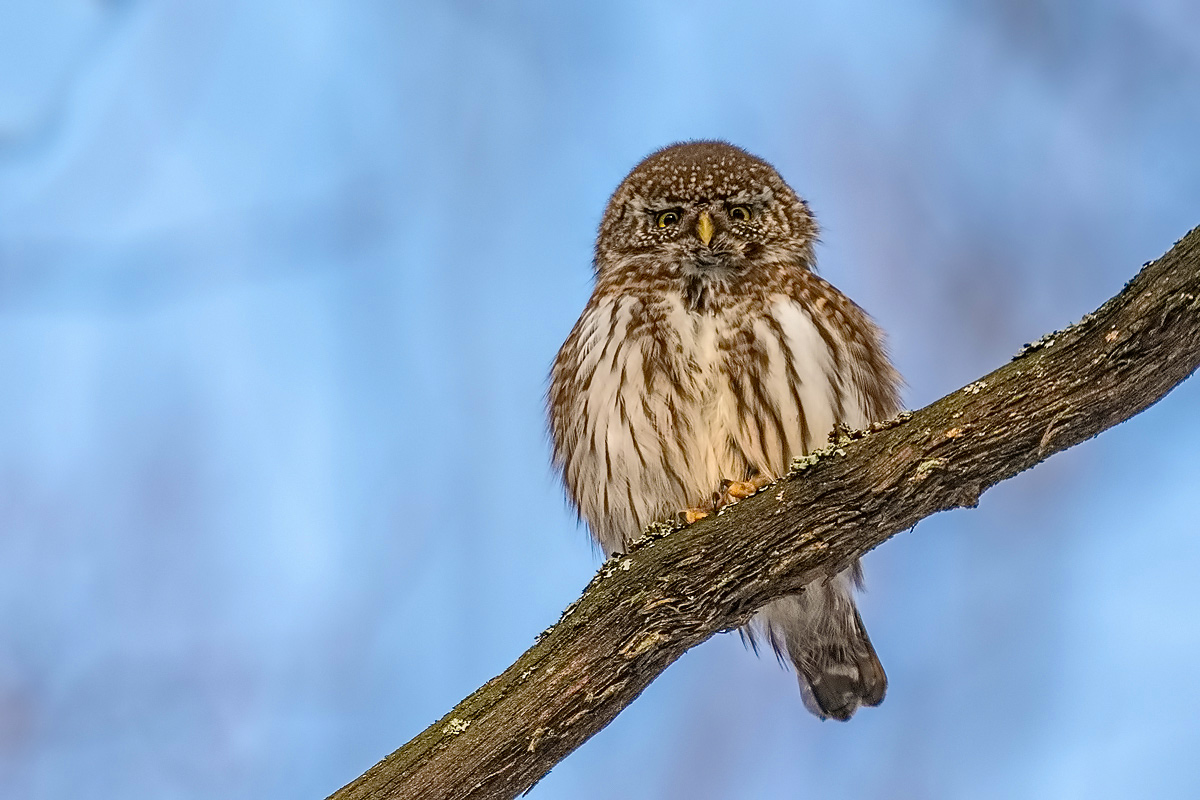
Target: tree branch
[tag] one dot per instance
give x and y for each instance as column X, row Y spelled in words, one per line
column 676, row 588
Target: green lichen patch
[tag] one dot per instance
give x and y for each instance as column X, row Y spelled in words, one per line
column 801, row 463
column 655, row 531
column 456, row 726
column 926, row 467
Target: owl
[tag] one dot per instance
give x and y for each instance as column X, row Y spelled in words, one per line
column 709, row 355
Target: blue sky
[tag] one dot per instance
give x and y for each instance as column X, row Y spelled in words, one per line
column 279, row 288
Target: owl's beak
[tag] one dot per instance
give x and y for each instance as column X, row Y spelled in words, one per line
column 704, row 228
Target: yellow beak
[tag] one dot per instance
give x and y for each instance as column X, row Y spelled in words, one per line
column 704, row 228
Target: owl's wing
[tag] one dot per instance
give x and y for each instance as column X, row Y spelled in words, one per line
column 807, row 371
column 839, row 373
column 840, row 354
column 618, row 417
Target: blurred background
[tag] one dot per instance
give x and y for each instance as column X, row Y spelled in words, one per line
column 280, row 284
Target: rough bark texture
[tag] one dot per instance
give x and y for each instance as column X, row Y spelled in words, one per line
column 679, row 587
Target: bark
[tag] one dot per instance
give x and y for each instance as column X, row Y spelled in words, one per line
column 677, row 587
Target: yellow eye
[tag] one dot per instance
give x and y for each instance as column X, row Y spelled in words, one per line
column 665, row 218
column 740, row 213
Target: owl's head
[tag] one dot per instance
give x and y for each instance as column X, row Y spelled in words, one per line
column 703, row 209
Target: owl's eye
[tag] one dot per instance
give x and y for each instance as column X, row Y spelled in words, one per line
column 666, row 218
column 740, row 213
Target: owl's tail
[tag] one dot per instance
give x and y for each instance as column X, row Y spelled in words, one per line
column 820, row 632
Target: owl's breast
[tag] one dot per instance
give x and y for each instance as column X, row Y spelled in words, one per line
column 707, row 431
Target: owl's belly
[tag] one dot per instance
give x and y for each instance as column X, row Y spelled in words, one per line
column 764, row 392
column 668, row 411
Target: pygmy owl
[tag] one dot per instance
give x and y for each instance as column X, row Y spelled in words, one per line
column 709, row 355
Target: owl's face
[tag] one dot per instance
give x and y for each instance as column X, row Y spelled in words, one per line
column 704, row 210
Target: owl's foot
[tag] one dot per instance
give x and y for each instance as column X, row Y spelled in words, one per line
column 732, row 491
column 729, row 493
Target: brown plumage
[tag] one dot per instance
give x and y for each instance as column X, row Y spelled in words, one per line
column 711, row 351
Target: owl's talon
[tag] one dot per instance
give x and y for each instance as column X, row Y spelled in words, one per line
column 690, row 515
column 732, row 491
column 736, row 490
